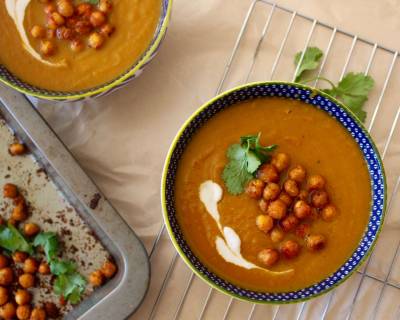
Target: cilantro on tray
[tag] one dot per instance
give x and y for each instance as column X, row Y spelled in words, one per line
column 311, row 60
column 12, row 240
column 244, row 160
column 352, row 90
column 69, row 283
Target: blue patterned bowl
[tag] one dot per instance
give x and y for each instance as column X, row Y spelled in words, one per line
column 134, row 71
column 312, row 97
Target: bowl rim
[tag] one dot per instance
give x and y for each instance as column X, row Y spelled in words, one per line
column 138, row 64
column 164, row 183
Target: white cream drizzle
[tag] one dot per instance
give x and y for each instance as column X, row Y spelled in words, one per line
column 16, row 10
column 228, row 246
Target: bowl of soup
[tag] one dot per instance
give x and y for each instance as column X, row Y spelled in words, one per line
column 69, row 50
column 273, row 192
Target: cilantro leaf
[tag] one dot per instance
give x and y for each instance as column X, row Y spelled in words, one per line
column 59, row 267
column 236, row 176
column 94, row 2
column 70, row 286
column 49, row 242
column 244, row 160
column 12, row 240
column 311, row 60
column 353, row 91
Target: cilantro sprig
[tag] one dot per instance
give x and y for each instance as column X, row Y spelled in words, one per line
column 12, row 240
column 352, row 90
column 244, row 160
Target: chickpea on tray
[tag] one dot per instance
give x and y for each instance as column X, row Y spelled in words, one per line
column 32, row 258
column 289, row 208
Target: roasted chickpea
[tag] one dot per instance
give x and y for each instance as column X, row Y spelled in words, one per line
column 255, row 188
column 303, row 195
column 3, row 295
column 13, row 222
column 291, row 188
column 301, row 209
column 38, row 314
column 26, row 280
column 277, row 209
column 107, row 30
column 6, row 276
column 303, row 230
column 264, row 223
column 65, row 8
column 289, row 223
column 10, row 190
column 50, row 8
column 271, row 191
column 38, row 32
column 51, row 24
column 277, row 235
column 329, row 212
column 290, row 249
column 263, row 204
column 76, row 45
column 95, row 40
column 285, row 198
column 83, row 9
column 22, row 297
column 83, row 27
column 31, row 229
column 268, row 257
column 281, row 161
column 47, row 48
column 51, row 310
column 319, row 199
column 108, row 269
column 64, row 33
column 105, row 6
column 8, row 311
column 96, row 278
column 30, row 265
column 23, row 312
column 19, row 212
column 19, row 257
column 97, row 19
column 315, row 242
column 17, row 149
column 316, row 182
column 44, row 268
column 298, row 173
column 268, row 173
column 3, row 261
column 58, row 18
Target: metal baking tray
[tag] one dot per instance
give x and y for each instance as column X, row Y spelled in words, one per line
column 123, row 294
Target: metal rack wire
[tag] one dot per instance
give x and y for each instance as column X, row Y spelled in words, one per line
column 272, row 47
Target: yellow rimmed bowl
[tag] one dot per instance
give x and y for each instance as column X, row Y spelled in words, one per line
column 319, row 100
column 134, row 71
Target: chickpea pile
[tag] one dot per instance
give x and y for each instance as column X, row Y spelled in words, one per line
column 289, row 204
column 82, row 24
column 19, row 273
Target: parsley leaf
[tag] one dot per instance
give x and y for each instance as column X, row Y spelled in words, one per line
column 12, row 240
column 353, row 90
column 49, row 243
column 59, row 267
column 244, row 160
column 311, row 60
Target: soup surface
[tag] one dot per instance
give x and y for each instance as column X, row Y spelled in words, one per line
column 311, row 138
column 135, row 22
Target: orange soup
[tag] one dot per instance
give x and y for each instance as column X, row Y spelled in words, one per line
column 76, row 45
column 313, row 140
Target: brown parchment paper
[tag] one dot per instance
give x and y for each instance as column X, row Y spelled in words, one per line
column 121, row 140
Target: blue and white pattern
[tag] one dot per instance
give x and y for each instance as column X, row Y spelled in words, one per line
column 9, row 78
column 288, row 91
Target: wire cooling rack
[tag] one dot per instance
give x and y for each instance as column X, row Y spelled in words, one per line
column 265, row 52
